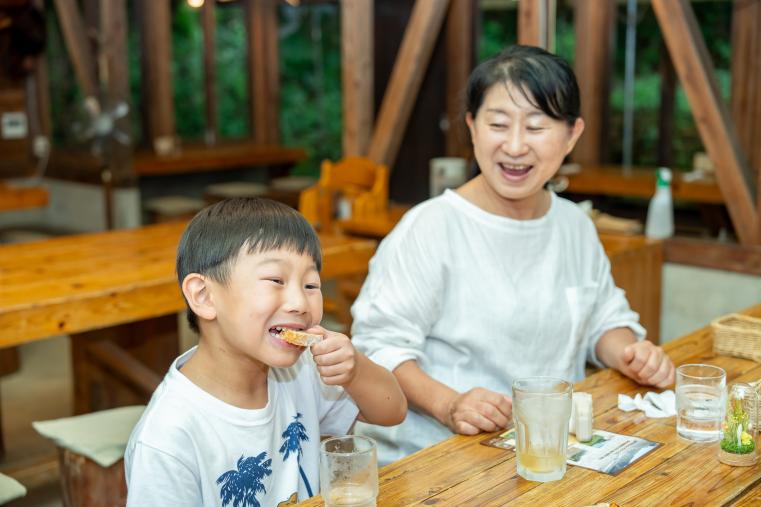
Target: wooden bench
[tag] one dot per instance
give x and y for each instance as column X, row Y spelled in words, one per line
column 196, row 158
column 16, row 198
column 639, row 182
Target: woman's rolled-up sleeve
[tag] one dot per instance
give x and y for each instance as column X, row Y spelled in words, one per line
column 399, row 301
column 612, row 309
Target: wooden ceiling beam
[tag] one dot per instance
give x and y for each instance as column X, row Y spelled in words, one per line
column 695, row 70
column 357, row 78
column 406, row 78
column 78, row 46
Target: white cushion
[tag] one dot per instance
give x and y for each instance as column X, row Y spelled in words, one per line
column 10, row 489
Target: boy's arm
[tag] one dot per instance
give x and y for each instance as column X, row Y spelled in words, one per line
column 377, row 393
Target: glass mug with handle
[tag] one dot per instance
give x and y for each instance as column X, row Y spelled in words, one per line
column 541, row 411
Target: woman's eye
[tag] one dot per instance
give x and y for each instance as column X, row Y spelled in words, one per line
column 275, row 280
column 313, row 286
column 535, row 129
column 498, row 126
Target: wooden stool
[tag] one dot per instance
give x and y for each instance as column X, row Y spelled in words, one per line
column 90, row 452
column 10, row 489
column 173, row 208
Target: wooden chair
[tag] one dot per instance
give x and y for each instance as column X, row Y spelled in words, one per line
column 364, row 184
column 358, row 180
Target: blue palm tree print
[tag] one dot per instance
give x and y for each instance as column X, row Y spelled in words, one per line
column 242, row 485
column 293, row 435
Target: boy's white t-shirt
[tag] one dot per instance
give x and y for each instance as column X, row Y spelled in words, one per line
column 190, row 448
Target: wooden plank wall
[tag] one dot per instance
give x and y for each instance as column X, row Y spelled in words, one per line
column 357, row 76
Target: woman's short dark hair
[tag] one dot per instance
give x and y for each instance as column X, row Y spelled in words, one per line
column 546, row 80
column 213, row 239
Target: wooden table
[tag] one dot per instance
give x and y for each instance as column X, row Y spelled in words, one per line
column 78, row 283
column 460, row 471
column 639, row 182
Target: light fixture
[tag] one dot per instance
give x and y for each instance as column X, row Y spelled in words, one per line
column 195, row 4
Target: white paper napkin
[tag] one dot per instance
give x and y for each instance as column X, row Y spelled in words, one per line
column 652, row 404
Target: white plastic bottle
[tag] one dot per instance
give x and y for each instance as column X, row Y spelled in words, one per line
column 660, row 212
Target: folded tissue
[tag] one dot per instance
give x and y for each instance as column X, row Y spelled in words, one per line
column 652, row 404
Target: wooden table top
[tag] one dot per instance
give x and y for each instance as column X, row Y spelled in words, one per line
column 639, row 182
column 78, row 283
column 460, row 471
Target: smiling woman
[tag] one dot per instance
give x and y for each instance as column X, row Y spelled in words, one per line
column 500, row 279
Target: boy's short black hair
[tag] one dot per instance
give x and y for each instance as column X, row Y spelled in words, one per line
column 214, row 238
column 545, row 79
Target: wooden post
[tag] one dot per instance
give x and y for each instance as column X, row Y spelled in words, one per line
column 357, row 79
column 695, row 71
column 666, row 110
column 459, row 33
column 746, row 82
column 158, row 96
column 78, row 46
column 406, row 78
column 263, row 70
column 536, row 23
column 209, row 25
column 115, row 76
column 594, row 26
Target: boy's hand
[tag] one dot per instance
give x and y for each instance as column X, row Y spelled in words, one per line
column 335, row 357
column 647, row 364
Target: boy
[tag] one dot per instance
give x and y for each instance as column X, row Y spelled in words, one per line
column 237, row 420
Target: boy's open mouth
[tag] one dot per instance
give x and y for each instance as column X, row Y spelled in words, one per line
column 277, row 330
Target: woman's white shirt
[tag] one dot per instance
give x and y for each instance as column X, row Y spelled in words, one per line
column 479, row 300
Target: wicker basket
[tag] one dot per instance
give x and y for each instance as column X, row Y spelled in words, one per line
column 737, row 335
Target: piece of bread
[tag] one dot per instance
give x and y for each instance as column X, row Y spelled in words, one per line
column 299, row 337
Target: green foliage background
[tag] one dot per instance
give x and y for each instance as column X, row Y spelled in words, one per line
column 310, row 104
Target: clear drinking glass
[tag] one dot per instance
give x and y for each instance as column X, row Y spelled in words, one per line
column 701, row 391
column 541, row 411
column 349, row 471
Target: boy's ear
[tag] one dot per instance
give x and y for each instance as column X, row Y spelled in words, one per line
column 197, row 293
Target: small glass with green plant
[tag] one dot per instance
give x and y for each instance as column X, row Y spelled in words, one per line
column 738, row 444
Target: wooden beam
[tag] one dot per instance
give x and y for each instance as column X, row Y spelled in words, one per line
column 357, row 79
column 209, row 25
column 593, row 26
column 714, row 255
column 459, row 33
column 263, row 70
column 536, row 23
column 666, row 109
column 746, row 82
column 78, row 46
column 695, row 71
column 115, row 76
column 158, row 95
column 406, row 78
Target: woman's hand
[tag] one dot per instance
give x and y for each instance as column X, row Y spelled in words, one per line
column 335, row 356
column 647, row 364
column 477, row 410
